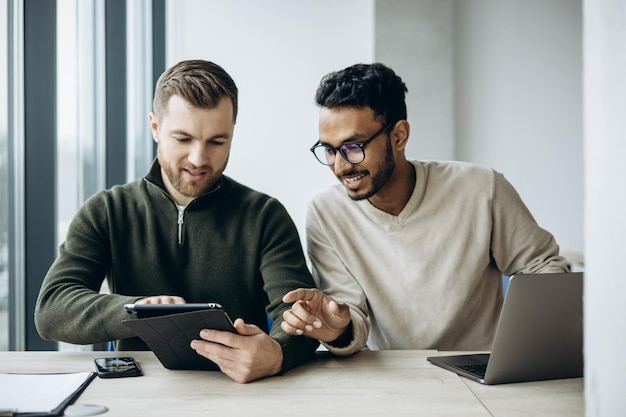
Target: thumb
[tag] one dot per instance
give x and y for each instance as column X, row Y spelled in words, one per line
column 333, row 307
column 246, row 329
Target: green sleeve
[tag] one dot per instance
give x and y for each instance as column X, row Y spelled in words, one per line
column 284, row 268
column 69, row 307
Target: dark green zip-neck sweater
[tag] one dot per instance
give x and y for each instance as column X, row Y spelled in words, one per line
column 233, row 245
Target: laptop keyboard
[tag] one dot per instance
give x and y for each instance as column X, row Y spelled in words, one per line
column 476, row 369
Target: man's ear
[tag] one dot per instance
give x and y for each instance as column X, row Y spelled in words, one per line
column 400, row 134
column 154, row 126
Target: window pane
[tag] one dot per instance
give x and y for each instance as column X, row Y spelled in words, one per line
column 67, row 119
column 4, row 180
column 80, row 154
column 139, row 82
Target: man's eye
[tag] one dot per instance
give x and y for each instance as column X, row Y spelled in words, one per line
column 181, row 139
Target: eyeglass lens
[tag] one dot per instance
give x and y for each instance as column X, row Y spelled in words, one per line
column 350, row 151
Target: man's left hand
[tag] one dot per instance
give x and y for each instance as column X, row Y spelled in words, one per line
column 245, row 357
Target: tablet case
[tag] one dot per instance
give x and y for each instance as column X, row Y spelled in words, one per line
column 169, row 336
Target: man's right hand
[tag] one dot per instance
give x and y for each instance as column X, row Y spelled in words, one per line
column 315, row 314
column 162, row 299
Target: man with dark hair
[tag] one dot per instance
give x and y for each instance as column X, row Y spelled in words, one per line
column 406, row 254
column 184, row 233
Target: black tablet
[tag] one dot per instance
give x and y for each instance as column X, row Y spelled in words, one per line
column 168, row 330
column 142, row 311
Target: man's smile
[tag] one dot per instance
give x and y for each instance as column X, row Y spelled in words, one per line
column 194, row 174
column 352, row 180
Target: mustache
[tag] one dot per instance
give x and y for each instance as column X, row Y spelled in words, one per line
column 194, row 168
column 353, row 173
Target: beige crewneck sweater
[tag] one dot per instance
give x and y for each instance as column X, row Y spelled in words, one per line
column 429, row 278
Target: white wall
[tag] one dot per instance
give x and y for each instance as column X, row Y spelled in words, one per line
column 276, row 51
column 416, row 39
column 605, row 207
column 519, row 103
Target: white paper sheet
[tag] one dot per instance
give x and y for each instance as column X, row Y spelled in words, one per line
column 38, row 392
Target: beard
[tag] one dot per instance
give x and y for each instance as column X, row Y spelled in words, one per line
column 191, row 189
column 379, row 179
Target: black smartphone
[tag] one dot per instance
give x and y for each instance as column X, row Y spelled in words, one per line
column 117, row 367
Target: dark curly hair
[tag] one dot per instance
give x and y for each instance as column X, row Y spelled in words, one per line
column 365, row 85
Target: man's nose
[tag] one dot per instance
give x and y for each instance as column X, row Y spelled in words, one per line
column 198, row 155
column 341, row 165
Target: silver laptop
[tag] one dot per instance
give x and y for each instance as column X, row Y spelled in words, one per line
column 539, row 335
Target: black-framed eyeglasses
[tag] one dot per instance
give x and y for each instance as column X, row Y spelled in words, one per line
column 352, row 152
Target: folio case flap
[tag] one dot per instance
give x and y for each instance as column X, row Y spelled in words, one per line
column 169, row 336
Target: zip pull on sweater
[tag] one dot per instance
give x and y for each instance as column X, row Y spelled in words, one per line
column 181, row 213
